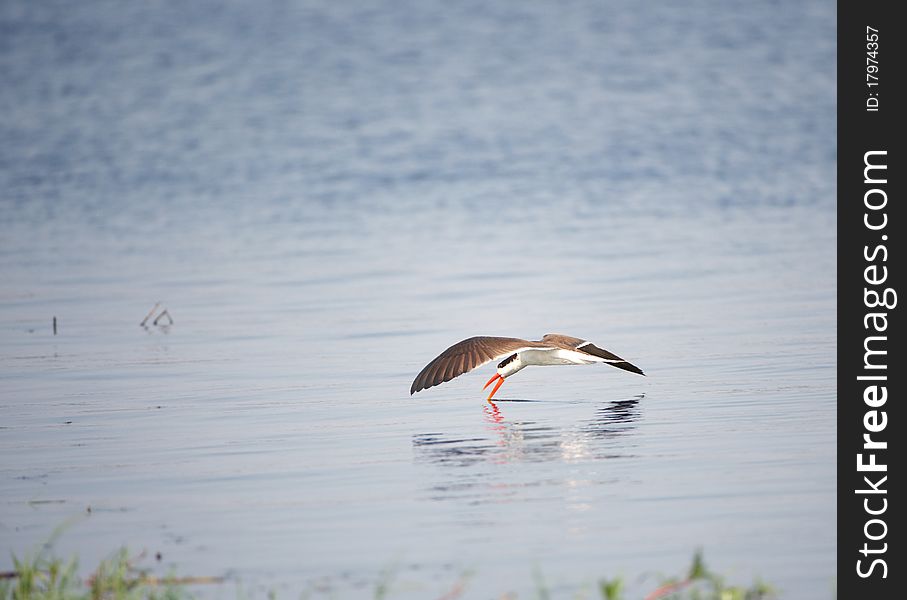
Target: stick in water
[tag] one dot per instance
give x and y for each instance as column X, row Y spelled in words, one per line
column 148, row 316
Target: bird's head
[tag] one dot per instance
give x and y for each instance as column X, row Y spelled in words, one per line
column 510, row 365
column 506, row 368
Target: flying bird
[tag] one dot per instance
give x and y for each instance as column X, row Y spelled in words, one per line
column 552, row 349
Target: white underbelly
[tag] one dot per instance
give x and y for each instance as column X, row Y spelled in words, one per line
column 557, row 357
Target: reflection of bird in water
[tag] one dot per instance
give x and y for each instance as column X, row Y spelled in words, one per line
column 614, row 418
column 493, row 413
column 595, row 437
column 531, row 441
column 552, row 349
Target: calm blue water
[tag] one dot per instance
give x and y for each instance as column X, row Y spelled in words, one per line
column 326, row 195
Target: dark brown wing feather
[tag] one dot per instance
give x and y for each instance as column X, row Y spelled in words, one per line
column 465, row 356
column 562, row 341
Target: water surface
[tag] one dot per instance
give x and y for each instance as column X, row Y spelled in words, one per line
column 324, row 197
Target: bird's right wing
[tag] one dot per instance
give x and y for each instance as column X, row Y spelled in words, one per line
column 465, row 356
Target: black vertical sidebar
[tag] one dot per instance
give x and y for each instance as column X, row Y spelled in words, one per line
column 871, row 373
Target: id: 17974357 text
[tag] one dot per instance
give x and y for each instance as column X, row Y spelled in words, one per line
column 872, row 69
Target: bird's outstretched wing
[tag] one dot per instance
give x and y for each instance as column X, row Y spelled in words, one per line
column 565, row 341
column 467, row 355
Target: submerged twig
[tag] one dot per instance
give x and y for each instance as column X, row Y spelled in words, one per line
column 157, row 322
column 150, row 314
column 164, row 313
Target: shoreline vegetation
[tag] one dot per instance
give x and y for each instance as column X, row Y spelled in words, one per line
column 44, row 576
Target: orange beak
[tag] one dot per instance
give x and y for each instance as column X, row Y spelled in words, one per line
column 497, row 385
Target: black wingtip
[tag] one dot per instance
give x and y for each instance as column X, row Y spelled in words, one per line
column 628, row 367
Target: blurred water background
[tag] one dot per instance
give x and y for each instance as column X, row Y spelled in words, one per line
column 325, row 195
